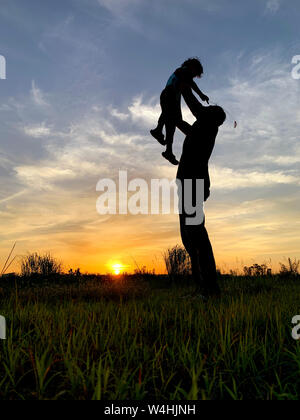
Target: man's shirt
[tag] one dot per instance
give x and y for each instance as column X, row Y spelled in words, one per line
column 197, row 150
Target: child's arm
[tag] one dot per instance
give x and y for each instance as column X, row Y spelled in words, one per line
column 202, row 96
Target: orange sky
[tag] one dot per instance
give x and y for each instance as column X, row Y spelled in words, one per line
column 71, row 229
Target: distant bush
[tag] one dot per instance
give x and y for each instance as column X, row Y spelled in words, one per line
column 257, row 270
column 177, row 262
column 144, row 271
column 76, row 273
column 292, row 269
column 43, row 265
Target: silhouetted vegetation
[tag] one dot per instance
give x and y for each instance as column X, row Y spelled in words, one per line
column 178, row 263
column 257, row 270
column 291, row 269
column 42, row 265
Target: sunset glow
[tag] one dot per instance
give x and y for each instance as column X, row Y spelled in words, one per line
column 117, row 269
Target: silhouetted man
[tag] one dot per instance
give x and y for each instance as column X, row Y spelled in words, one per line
column 197, row 150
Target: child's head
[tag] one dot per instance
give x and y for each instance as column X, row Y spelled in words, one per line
column 195, row 66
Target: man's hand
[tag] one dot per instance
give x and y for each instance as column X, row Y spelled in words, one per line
column 204, row 98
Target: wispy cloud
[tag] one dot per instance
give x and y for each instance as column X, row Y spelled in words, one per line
column 37, row 131
column 229, row 179
column 38, row 96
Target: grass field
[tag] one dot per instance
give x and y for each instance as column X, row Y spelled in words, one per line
column 135, row 338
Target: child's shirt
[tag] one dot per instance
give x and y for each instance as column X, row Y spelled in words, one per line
column 180, row 77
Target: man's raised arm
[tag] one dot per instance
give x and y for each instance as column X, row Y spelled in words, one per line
column 192, row 102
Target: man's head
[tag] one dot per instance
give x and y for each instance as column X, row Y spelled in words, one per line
column 215, row 115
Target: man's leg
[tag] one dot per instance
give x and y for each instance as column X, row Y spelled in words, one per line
column 198, row 245
column 197, row 273
column 187, row 240
column 207, row 262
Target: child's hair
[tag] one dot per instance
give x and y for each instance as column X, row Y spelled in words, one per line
column 196, row 63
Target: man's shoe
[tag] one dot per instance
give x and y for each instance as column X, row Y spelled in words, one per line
column 171, row 158
column 158, row 136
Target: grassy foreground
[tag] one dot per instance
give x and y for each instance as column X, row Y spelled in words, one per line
column 133, row 340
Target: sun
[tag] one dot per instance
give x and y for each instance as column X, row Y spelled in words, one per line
column 117, row 269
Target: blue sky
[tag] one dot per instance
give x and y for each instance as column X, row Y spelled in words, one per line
column 82, row 91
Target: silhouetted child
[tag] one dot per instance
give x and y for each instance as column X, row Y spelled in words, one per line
column 180, row 82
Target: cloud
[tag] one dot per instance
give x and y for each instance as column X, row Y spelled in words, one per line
column 12, row 197
column 144, row 113
column 118, row 6
column 37, row 131
column 37, row 96
column 119, row 115
column 263, row 98
column 229, row 179
column 41, row 176
column 286, row 160
column 123, row 12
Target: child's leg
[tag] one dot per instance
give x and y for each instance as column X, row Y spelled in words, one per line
column 157, row 133
column 171, row 125
column 170, row 131
column 171, row 114
column 161, row 123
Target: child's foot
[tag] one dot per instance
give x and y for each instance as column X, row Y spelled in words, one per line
column 171, row 158
column 158, row 135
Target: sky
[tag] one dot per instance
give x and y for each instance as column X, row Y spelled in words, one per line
column 82, row 92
